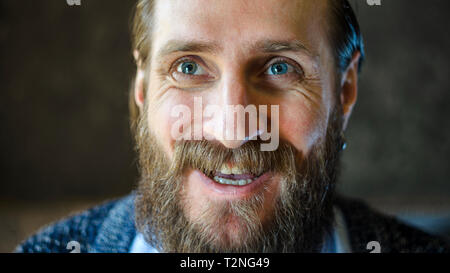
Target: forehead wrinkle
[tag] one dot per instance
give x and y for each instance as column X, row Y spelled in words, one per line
column 173, row 46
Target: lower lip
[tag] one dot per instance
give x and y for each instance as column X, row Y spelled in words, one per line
column 233, row 191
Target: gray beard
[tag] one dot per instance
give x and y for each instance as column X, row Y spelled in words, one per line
column 303, row 213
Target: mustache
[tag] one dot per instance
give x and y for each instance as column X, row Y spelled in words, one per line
column 209, row 156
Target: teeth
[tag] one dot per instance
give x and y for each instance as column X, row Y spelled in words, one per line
column 234, row 170
column 241, row 182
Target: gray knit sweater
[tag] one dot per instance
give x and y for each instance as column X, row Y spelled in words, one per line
column 110, row 228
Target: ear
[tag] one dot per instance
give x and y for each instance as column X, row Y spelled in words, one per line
column 139, row 87
column 349, row 88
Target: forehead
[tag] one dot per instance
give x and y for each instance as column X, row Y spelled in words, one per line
column 236, row 23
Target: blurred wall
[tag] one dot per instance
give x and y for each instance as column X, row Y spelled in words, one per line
column 398, row 137
column 63, row 102
column 65, row 74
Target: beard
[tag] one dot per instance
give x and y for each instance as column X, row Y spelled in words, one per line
column 301, row 215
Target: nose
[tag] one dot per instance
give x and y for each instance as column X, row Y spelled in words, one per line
column 235, row 119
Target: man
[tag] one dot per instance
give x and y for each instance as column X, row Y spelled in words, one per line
column 213, row 180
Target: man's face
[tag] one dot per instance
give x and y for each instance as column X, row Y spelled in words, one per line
column 234, row 44
column 254, row 52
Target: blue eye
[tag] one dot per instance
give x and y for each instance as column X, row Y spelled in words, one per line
column 278, row 69
column 188, row 68
column 191, row 68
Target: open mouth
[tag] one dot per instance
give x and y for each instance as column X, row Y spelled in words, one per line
column 233, row 176
column 232, row 183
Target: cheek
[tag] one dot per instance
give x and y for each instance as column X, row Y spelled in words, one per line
column 162, row 119
column 301, row 126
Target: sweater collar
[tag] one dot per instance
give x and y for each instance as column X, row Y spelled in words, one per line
column 117, row 231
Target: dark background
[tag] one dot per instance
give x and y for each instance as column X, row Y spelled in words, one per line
column 65, row 141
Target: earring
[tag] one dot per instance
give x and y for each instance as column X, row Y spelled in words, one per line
column 343, row 141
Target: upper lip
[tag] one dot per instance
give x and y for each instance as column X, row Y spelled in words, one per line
column 232, row 191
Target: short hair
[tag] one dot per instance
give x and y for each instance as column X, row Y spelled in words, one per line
column 345, row 38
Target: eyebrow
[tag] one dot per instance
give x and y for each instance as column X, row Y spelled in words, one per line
column 273, row 46
column 173, row 46
column 265, row 46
